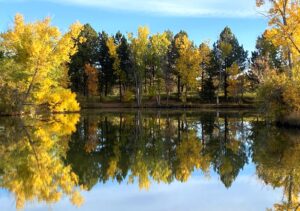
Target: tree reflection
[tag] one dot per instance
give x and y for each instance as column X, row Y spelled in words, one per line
column 47, row 158
column 156, row 148
column 228, row 154
column 276, row 154
column 31, row 153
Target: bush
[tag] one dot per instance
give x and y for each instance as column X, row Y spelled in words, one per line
column 279, row 95
column 128, row 96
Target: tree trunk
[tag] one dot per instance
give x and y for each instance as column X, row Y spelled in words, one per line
column 178, row 87
column 168, row 95
column 120, row 90
column 225, row 87
column 106, row 88
column 21, row 105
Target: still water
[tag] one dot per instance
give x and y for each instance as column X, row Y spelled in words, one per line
column 148, row 160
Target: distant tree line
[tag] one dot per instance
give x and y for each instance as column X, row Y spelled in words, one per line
column 159, row 64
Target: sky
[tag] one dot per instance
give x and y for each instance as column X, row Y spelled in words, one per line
column 203, row 20
column 247, row 193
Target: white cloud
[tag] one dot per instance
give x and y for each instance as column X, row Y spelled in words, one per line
column 188, row 8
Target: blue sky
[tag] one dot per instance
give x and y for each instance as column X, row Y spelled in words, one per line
column 202, row 19
column 247, row 193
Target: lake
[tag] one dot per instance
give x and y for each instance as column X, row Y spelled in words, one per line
column 158, row 160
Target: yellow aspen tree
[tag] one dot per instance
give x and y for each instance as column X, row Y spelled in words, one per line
column 284, row 19
column 187, row 64
column 159, row 44
column 205, row 58
column 139, row 49
column 113, row 52
column 35, row 69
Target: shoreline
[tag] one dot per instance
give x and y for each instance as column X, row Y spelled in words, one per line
column 115, row 105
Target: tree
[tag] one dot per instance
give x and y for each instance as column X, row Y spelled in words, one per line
column 284, row 32
column 139, row 50
column 107, row 77
column 119, row 52
column 236, row 82
column 125, row 63
column 265, row 58
column 159, row 44
column 187, row 64
column 227, row 51
column 207, row 91
column 92, row 80
column 87, row 55
column 112, row 48
column 170, row 67
column 205, row 59
column 34, row 68
column 280, row 92
column 173, row 55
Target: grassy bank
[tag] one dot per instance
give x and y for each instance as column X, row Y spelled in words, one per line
column 248, row 102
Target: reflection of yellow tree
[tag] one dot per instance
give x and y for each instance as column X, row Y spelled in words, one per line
column 144, row 168
column 189, row 156
column 31, row 160
column 278, row 164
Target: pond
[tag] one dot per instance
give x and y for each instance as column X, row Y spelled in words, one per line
column 161, row 160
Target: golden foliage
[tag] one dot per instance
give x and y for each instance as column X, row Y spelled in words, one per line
column 189, row 157
column 187, row 64
column 40, row 52
column 31, row 160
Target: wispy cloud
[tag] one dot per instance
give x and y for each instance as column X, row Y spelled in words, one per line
column 188, row 8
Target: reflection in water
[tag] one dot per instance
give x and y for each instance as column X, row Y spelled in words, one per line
column 276, row 153
column 48, row 158
column 157, row 148
column 31, row 165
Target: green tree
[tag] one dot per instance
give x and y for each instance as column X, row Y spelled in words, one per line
column 170, row 68
column 120, row 53
column 107, row 77
column 207, row 91
column 87, row 54
column 227, row 51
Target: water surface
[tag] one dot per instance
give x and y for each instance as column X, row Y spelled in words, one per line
column 148, row 160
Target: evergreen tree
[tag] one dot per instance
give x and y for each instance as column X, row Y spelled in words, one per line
column 87, row 55
column 107, row 78
column 125, row 62
column 227, row 52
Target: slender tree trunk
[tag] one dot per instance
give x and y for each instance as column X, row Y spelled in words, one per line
column 106, row 88
column 158, row 98
column 225, row 86
column 178, row 87
column 202, row 81
column 139, row 94
column 168, row 96
column 21, row 105
column 120, row 90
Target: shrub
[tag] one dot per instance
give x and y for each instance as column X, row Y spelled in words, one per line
column 128, row 96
